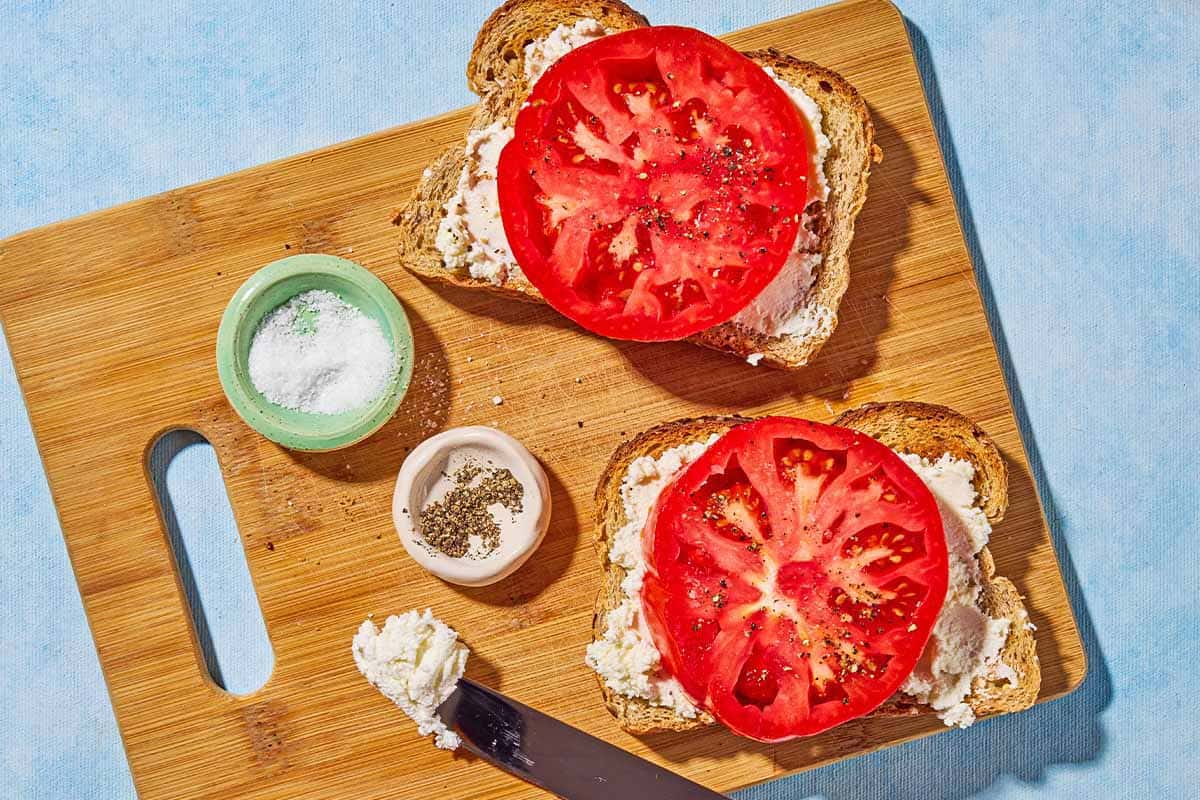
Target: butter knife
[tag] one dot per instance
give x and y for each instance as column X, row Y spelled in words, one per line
column 550, row 754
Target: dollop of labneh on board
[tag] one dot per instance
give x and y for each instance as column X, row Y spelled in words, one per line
column 416, row 661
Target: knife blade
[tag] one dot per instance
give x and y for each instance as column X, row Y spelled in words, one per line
column 552, row 755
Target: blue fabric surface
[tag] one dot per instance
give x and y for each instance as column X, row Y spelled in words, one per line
column 1072, row 136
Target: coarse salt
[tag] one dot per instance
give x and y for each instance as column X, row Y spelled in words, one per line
column 318, row 354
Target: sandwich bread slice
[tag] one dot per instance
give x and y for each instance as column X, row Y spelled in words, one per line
column 930, row 437
column 516, row 44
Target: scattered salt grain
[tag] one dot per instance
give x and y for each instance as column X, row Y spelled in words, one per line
column 320, row 355
column 497, row 400
column 754, row 358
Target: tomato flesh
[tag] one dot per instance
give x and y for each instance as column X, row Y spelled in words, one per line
column 655, row 183
column 794, row 575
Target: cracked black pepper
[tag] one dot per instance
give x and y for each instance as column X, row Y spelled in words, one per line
column 449, row 524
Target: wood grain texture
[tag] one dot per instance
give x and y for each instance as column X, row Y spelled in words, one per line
column 112, row 318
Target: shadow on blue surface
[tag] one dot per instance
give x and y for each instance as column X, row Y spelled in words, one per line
column 211, row 564
column 1024, row 745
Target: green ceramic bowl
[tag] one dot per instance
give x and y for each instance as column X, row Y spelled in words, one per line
column 271, row 287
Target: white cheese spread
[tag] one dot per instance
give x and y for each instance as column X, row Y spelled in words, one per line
column 416, row 661
column 625, row 656
column 965, row 641
column 540, row 54
column 777, row 310
column 471, row 235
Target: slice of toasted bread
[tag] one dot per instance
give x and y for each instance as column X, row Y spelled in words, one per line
column 925, row 430
column 496, row 72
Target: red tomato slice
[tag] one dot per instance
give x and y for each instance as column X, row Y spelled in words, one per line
column 655, row 183
column 794, row 575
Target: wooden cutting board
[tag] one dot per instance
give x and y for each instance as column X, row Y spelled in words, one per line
column 112, row 318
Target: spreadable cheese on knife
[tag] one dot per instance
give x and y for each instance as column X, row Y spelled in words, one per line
column 471, row 235
column 416, row 661
column 965, row 644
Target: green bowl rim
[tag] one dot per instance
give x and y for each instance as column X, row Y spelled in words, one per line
column 259, row 413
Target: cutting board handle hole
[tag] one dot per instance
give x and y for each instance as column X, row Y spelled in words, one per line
column 211, row 562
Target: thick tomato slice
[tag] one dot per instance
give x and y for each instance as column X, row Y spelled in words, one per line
column 795, row 572
column 655, row 183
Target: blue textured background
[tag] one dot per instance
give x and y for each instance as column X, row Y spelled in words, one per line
column 1072, row 136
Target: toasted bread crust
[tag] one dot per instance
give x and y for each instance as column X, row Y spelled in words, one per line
column 498, row 57
column 930, row 431
column 496, row 73
column 919, row 428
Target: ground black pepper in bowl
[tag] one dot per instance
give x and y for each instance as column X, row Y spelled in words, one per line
column 448, row 524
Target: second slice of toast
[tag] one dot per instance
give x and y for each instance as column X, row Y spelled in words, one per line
column 922, row 429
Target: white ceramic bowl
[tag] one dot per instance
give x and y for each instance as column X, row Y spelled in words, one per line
column 519, row 536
